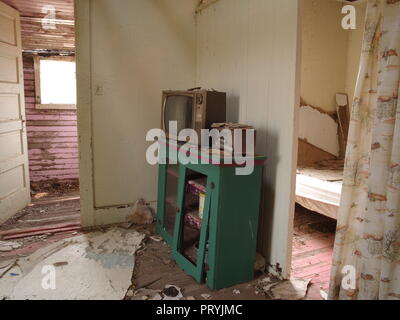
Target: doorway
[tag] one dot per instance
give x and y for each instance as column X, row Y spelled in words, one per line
column 47, row 66
column 329, row 68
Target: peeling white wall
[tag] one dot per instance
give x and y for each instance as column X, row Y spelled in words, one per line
column 249, row 49
column 330, row 54
column 319, row 129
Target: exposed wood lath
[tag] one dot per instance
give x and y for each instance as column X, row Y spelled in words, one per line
column 52, row 136
column 34, row 36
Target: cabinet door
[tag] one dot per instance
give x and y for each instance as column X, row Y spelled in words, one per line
column 167, row 197
column 192, row 221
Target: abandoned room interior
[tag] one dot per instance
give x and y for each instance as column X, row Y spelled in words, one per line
column 95, row 205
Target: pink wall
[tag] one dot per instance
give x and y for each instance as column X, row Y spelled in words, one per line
column 52, row 136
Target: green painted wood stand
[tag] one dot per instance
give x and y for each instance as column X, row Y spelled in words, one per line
column 219, row 246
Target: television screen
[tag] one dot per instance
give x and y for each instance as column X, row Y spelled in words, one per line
column 180, row 109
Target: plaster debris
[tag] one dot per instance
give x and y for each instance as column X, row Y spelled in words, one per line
column 169, row 292
column 259, row 264
column 89, row 267
column 156, row 238
column 265, row 280
column 206, row 296
column 6, row 246
column 141, row 213
column 294, row 289
column 265, row 285
column 146, row 294
column 323, row 294
column 235, row 291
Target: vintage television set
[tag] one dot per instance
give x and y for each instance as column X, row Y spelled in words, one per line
column 192, row 109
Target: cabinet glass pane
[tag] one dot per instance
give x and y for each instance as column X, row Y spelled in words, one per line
column 195, row 194
column 170, row 198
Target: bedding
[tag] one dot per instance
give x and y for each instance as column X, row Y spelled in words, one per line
column 319, row 190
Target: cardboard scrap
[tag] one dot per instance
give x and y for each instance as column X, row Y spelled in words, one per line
column 323, row 294
column 206, row 296
column 293, row 289
column 94, row 266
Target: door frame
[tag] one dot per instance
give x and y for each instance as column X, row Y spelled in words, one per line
column 90, row 215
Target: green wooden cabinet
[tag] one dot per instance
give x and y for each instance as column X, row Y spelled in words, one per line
column 209, row 216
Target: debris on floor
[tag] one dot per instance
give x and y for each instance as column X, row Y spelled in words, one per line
column 37, row 231
column 206, row 296
column 276, row 289
column 141, row 213
column 293, row 289
column 264, row 285
column 145, row 294
column 323, row 294
column 128, row 261
column 47, row 215
column 45, row 188
column 313, row 241
column 172, row 293
column 156, row 238
column 259, row 265
column 94, row 266
column 6, row 246
column 155, row 268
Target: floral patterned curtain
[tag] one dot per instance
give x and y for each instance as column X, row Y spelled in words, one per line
column 367, row 247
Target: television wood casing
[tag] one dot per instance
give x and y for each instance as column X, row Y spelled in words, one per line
column 208, row 107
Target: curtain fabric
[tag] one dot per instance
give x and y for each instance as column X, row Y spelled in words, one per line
column 366, row 262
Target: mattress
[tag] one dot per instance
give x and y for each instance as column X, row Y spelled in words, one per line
column 319, row 190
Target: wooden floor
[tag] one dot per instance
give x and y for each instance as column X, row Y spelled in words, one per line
column 49, row 218
column 313, row 240
column 46, row 211
column 155, row 268
column 312, row 248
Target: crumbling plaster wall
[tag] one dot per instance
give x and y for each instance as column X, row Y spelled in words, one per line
column 330, row 54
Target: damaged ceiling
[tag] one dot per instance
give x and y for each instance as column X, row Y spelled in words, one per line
column 60, row 36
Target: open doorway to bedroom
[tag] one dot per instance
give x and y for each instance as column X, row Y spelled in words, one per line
column 326, row 95
column 49, row 81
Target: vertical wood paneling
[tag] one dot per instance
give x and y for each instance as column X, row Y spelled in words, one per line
column 52, row 136
column 250, row 50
